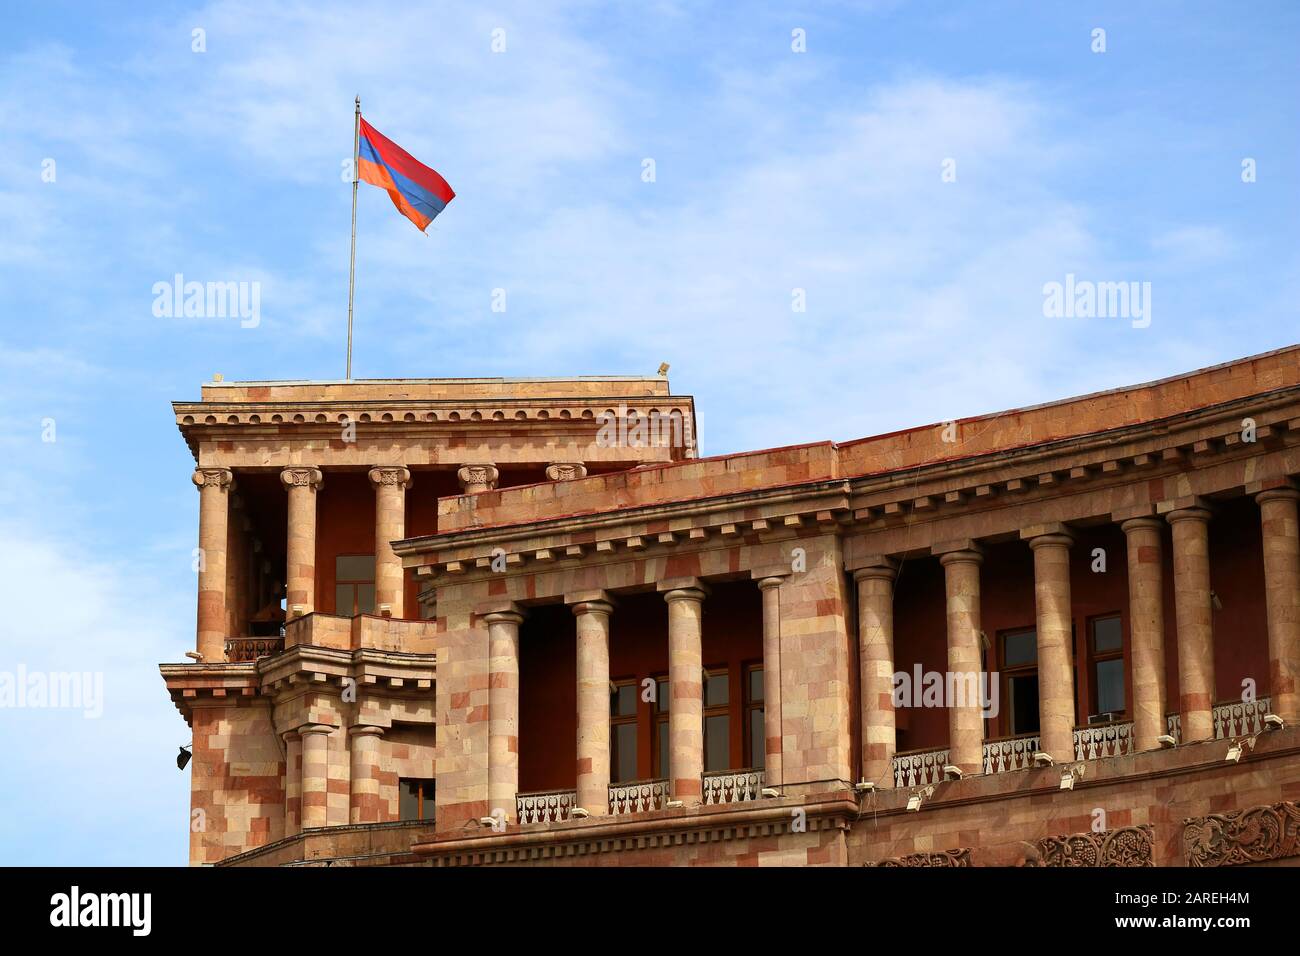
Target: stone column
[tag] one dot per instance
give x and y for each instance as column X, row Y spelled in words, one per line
column 770, row 588
column 390, row 483
column 565, row 470
column 1146, row 625
column 476, row 478
column 1195, row 618
column 503, row 709
column 1281, row 532
column 593, row 705
column 292, row 782
column 965, row 717
column 1055, row 642
column 363, row 804
column 214, row 511
column 300, row 574
column 686, row 690
column 876, row 662
column 315, row 774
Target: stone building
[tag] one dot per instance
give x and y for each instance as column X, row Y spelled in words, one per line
column 488, row 621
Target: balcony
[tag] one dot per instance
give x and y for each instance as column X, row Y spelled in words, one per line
column 917, row 768
column 1235, row 718
column 550, row 806
column 241, row 650
column 1010, row 753
column 638, row 796
column 732, row 786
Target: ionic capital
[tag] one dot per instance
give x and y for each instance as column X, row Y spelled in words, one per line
column 223, row 479
column 397, row 475
column 302, row 477
column 565, row 470
column 476, row 478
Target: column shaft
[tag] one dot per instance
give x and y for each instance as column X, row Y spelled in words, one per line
column 965, row 715
column 593, row 705
column 315, row 775
column 1055, row 636
column 686, row 693
column 214, row 513
column 300, row 573
column 390, row 525
column 1195, row 622
column 772, row 734
column 1146, row 624
column 503, row 711
column 363, row 803
column 292, row 783
column 1281, row 542
column 876, row 659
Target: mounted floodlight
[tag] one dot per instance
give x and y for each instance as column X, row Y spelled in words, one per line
column 770, row 792
column 1071, row 774
column 1166, row 740
column 952, row 772
column 1043, row 759
column 183, row 758
column 578, row 813
column 865, row 786
column 1274, row 722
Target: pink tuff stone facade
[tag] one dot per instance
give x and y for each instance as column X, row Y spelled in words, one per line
column 521, row 622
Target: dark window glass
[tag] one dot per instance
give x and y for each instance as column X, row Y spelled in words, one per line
column 1023, row 704
column 1019, row 649
column 757, row 742
column 623, row 701
column 661, row 747
column 1110, row 686
column 624, row 756
column 756, row 684
column 354, row 567
column 661, row 695
column 717, row 742
column 408, row 800
column 1107, row 635
column 716, row 689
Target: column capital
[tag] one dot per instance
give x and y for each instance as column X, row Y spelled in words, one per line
column 1056, row 540
column 1193, row 513
column 390, row 475
column 302, row 476
column 961, row 556
column 478, row 477
column 367, row 730
column 307, row 730
column 513, row 615
column 771, row 581
column 682, row 589
column 882, row 568
column 1277, row 494
column 592, row 607
column 565, row 470
column 967, row 546
column 1052, row 532
column 1143, row 523
column 223, row 479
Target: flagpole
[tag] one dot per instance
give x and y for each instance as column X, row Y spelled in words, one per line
column 352, row 261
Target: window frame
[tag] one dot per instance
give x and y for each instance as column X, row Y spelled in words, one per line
column 1096, row 657
column 353, row 583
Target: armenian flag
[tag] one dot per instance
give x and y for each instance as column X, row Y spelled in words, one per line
column 417, row 191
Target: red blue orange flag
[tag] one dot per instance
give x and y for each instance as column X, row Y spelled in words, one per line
column 417, row 191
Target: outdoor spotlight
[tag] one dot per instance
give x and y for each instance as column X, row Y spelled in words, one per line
column 487, row 821
column 298, row 610
column 194, row 656
column 918, row 797
column 770, row 792
column 577, row 813
column 865, row 786
column 1071, row 774
column 674, row 805
column 1234, row 753
column 183, row 758
column 663, row 368
column 1166, row 740
column 1273, row 722
column 1042, row 759
column 385, row 610
column 952, row 772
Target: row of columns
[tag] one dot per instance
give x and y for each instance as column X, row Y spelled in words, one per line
column 301, row 483
column 1194, row 625
column 306, row 779
column 592, row 610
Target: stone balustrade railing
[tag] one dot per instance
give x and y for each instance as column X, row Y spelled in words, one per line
column 1103, row 740
column 240, row 650
column 1010, row 753
column 1240, row 719
column 732, row 786
column 548, row 807
column 919, row 767
column 638, row 796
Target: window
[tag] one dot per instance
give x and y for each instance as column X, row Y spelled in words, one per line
column 659, row 756
column 755, row 726
column 717, row 719
column 354, row 584
column 415, row 799
column 1019, row 650
column 622, row 731
column 1106, row 660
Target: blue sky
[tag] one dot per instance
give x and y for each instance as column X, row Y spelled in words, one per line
column 774, row 171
